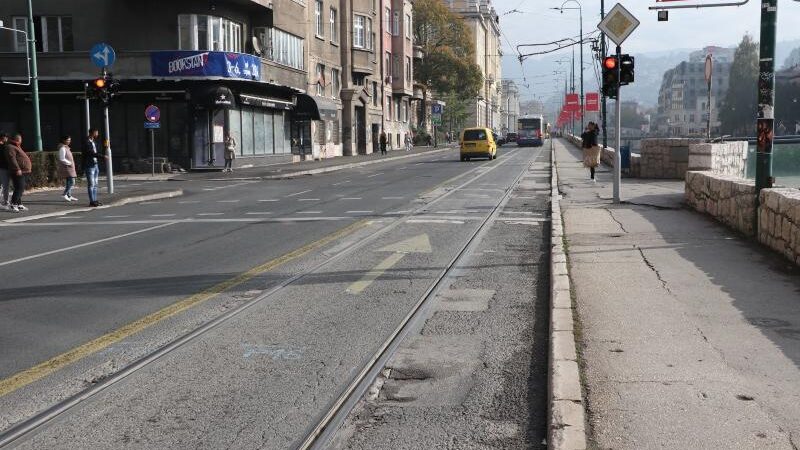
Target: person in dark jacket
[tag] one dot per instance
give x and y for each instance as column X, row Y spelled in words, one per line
column 91, row 165
column 383, row 142
column 19, row 167
column 4, row 175
column 591, row 151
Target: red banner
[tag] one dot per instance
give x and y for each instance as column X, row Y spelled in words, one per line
column 572, row 102
column 592, row 102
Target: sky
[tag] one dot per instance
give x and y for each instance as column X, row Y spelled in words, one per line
column 686, row 28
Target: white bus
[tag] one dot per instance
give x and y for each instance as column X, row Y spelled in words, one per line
column 530, row 130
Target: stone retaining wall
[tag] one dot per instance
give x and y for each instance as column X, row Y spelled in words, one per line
column 729, row 199
column 779, row 221
column 665, row 158
column 727, row 158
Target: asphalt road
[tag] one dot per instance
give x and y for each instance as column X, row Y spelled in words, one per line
column 84, row 295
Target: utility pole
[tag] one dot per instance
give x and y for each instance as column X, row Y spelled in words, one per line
column 37, row 123
column 618, row 120
column 572, row 88
column 580, row 27
column 603, row 55
column 765, row 124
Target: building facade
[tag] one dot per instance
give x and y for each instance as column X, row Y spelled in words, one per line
column 509, row 106
column 481, row 18
column 683, row 96
column 288, row 79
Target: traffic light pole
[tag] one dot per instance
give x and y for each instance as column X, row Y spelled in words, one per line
column 765, row 124
column 109, row 164
column 603, row 53
column 37, row 121
column 617, row 131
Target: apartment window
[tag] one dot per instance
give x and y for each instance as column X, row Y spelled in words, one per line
column 318, row 12
column 397, row 111
column 387, row 69
column 369, row 35
column 320, row 79
column 396, row 24
column 408, row 69
column 335, row 83
column 374, row 93
column 201, row 32
column 334, row 30
column 358, row 32
column 408, row 26
column 52, row 33
column 389, row 107
column 397, row 67
column 405, row 111
column 281, row 47
column 387, row 20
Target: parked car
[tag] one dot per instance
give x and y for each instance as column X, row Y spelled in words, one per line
column 511, row 137
column 499, row 140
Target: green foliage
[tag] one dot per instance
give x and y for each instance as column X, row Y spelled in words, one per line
column 44, row 169
column 739, row 108
column 448, row 59
column 456, row 111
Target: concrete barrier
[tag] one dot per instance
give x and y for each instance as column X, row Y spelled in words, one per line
column 566, row 421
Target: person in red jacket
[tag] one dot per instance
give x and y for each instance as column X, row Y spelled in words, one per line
column 19, row 167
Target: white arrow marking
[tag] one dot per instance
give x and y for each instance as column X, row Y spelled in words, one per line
column 103, row 54
column 417, row 244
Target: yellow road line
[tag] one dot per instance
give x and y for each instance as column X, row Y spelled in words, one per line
column 39, row 371
column 372, row 275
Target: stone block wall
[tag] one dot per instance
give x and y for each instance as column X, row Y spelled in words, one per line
column 665, row 158
column 727, row 158
column 779, row 221
column 608, row 155
column 729, row 199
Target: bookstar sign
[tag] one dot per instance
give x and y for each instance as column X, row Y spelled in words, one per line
column 205, row 64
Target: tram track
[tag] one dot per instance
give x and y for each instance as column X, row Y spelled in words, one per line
column 28, row 427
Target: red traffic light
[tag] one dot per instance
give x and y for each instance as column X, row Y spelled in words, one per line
column 100, row 83
column 610, row 62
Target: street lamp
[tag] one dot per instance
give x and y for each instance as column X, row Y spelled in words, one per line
column 580, row 31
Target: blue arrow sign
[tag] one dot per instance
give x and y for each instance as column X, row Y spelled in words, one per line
column 102, row 55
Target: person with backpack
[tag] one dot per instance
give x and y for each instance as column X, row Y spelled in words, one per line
column 591, row 151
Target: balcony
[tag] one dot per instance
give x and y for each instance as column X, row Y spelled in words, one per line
column 364, row 62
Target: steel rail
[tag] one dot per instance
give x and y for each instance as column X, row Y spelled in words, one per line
column 320, row 435
column 23, row 429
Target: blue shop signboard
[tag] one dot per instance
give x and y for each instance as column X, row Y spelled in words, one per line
column 187, row 63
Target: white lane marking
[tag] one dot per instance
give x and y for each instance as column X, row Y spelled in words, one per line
column 350, row 198
column 392, row 198
column 107, row 217
column 257, row 213
column 527, row 198
column 299, row 193
column 209, row 189
column 227, row 201
column 162, row 215
column 85, row 244
column 419, row 163
column 341, row 182
column 210, row 214
column 309, row 212
column 188, row 202
column 307, row 199
column 458, row 222
column 375, row 175
column 174, row 221
column 359, row 212
column 270, row 200
column 395, row 213
column 402, row 168
column 149, row 203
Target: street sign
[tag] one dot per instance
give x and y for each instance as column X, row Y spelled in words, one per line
column 436, row 119
column 102, row 55
column 152, row 125
column 152, row 113
column 436, row 109
column 618, row 24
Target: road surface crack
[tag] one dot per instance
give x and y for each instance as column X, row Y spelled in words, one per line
column 653, row 268
column 621, row 226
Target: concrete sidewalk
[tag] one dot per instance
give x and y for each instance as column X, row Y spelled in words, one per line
column 687, row 333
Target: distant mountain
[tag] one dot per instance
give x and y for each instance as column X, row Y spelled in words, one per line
column 535, row 76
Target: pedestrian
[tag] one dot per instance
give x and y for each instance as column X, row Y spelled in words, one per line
column 383, row 142
column 4, row 175
column 66, row 167
column 230, row 153
column 91, row 165
column 781, row 128
column 591, row 151
column 409, row 142
column 19, row 167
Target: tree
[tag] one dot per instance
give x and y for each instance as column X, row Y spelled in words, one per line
column 447, row 64
column 739, row 109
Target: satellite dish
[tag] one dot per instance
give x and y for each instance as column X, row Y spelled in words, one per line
column 257, row 47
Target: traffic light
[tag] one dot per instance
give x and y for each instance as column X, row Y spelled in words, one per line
column 625, row 69
column 105, row 88
column 610, row 80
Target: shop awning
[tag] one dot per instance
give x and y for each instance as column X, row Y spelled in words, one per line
column 213, row 97
column 265, row 102
column 315, row 108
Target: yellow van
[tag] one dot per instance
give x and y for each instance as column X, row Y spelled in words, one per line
column 477, row 142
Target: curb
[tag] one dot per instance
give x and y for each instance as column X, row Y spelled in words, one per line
column 349, row 165
column 566, row 421
column 120, row 202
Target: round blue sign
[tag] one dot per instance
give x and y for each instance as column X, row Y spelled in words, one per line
column 102, row 55
column 152, row 113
